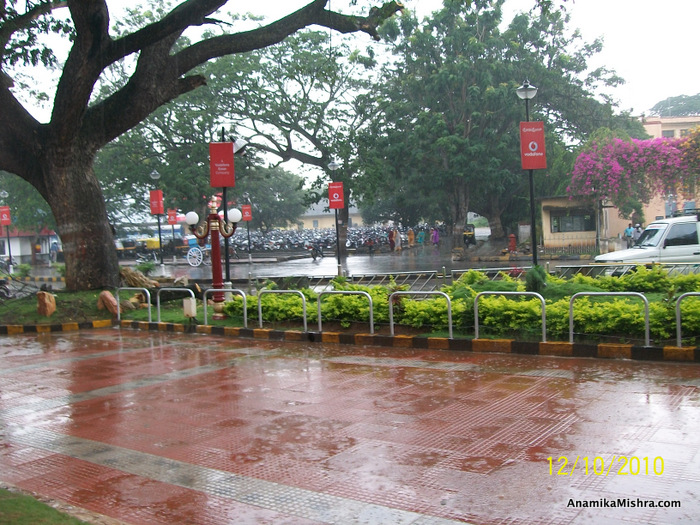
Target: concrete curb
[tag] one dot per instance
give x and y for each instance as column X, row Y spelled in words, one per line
column 15, row 329
column 508, row 346
column 688, row 354
column 38, row 279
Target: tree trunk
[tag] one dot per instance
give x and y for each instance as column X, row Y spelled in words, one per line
column 460, row 207
column 76, row 200
column 497, row 231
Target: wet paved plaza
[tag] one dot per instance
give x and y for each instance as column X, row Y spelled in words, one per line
column 154, row 427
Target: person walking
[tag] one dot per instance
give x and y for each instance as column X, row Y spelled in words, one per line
column 435, row 237
column 637, row 233
column 629, row 235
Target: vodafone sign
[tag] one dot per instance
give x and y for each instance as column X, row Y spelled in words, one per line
column 532, row 150
column 335, row 195
column 221, row 172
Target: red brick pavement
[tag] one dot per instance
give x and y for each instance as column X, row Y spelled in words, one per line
column 153, row 427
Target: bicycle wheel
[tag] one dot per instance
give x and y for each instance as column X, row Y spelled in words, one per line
column 194, row 256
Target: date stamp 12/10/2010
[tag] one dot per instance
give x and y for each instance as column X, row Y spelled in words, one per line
column 617, row 465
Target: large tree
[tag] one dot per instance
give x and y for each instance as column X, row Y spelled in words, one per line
column 57, row 157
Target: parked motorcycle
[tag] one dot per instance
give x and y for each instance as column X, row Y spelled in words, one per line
column 5, row 292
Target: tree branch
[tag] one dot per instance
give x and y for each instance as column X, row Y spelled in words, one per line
column 23, row 21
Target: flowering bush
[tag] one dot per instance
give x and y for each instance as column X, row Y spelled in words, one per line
column 623, row 170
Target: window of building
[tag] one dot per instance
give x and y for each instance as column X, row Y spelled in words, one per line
column 668, row 133
column 685, row 132
column 572, row 221
column 315, row 224
column 2, row 248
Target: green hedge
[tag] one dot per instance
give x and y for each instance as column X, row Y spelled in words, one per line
column 600, row 318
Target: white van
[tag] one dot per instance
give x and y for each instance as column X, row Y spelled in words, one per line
column 673, row 240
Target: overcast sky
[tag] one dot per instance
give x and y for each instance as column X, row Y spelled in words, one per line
column 649, row 43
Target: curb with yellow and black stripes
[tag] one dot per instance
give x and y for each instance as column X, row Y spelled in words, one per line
column 689, row 354
column 507, row 346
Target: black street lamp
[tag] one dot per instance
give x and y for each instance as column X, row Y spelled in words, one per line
column 334, row 166
column 527, row 92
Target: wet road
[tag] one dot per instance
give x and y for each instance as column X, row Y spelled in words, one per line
column 153, row 427
column 427, row 259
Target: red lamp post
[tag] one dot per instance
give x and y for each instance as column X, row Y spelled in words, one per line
column 215, row 226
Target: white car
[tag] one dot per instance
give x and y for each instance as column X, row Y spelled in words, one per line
column 672, row 240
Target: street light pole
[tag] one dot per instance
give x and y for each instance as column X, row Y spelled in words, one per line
column 6, row 221
column 155, row 176
column 334, row 166
column 528, row 92
column 214, row 225
column 246, row 196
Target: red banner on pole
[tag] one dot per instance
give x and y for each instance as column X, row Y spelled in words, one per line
column 336, row 200
column 532, row 150
column 221, row 174
column 247, row 212
column 172, row 217
column 157, row 202
column 5, row 218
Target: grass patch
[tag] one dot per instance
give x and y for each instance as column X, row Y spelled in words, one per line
column 71, row 307
column 19, row 509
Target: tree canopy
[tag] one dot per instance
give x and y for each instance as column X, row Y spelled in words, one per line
column 57, row 157
column 445, row 132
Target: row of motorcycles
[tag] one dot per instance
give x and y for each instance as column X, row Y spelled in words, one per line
column 316, row 241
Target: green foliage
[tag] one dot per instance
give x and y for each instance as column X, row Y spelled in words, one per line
column 536, row 279
column 146, row 267
column 23, row 270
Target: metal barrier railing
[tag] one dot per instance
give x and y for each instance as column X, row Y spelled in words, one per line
column 493, row 273
column 171, row 289
column 613, row 294
column 529, row 294
column 620, row 269
column 420, row 280
column 148, row 297
column 347, row 292
column 679, row 339
column 297, row 292
column 227, row 290
column 441, row 294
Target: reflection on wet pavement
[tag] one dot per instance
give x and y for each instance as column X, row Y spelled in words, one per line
column 150, row 427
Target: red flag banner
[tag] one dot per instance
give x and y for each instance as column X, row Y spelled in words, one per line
column 5, row 218
column 157, row 202
column 221, row 173
column 172, row 217
column 336, row 199
column 247, row 212
column 532, row 150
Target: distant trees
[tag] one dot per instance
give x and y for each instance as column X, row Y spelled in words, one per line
column 680, row 106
